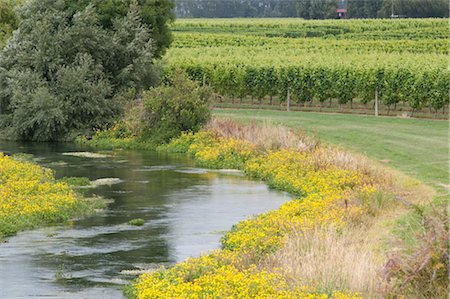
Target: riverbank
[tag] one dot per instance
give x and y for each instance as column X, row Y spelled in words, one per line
column 31, row 197
column 416, row 147
column 341, row 198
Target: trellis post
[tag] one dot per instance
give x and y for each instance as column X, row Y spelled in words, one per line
column 288, row 100
column 376, row 101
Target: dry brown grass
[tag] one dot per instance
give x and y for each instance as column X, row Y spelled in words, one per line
column 357, row 258
column 329, row 260
column 266, row 136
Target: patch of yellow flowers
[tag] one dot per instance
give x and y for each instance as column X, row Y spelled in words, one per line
column 208, row 277
column 327, row 196
column 30, row 195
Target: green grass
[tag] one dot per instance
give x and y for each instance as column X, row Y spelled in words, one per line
column 416, row 147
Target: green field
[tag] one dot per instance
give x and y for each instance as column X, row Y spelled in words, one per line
column 402, row 61
column 416, row 147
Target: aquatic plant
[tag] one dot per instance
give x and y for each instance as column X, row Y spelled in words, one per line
column 136, row 222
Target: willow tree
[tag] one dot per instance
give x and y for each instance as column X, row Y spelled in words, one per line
column 63, row 71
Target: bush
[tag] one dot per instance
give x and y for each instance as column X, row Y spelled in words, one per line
column 178, row 106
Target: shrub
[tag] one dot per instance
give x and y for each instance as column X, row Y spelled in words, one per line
column 8, row 19
column 179, row 106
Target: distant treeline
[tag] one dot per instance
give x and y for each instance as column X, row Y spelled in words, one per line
column 310, row 9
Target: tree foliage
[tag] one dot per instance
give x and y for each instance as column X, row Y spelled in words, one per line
column 415, row 8
column 364, row 9
column 155, row 15
column 63, row 71
column 316, row 9
column 8, row 19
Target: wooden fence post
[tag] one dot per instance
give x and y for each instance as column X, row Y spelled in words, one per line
column 288, row 100
column 376, row 101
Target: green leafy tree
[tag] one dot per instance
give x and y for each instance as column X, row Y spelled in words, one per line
column 7, row 13
column 364, row 9
column 155, row 15
column 62, row 71
column 316, row 9
column 8, row 19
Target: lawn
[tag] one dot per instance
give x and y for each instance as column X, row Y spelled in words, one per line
column 417, row 147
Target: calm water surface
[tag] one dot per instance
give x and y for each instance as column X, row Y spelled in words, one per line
column 186, row 211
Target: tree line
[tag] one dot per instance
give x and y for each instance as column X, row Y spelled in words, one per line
column 310, row 9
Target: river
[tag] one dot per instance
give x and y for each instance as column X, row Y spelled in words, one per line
column 186, row 211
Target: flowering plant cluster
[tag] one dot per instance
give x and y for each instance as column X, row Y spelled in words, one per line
column 215, row 276
column 327, row 191
column 29, row 195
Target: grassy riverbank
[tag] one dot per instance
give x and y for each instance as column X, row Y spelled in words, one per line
column 30, row 197
column 338, row 193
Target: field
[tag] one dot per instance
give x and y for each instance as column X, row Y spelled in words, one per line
column 401, row 61
column 416, row 147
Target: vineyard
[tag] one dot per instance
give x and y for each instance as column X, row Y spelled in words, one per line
column 400, row 62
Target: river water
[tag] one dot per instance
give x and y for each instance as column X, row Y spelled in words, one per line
column 186, row 211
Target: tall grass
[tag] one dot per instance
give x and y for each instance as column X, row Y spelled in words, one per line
column 329, row 259
column 355, row 259
column 266, row 136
